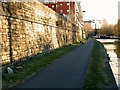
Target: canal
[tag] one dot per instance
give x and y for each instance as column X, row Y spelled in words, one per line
column 113, row 49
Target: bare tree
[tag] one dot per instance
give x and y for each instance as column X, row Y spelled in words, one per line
column 106, row 29
column 117, row 28
column 88, row 28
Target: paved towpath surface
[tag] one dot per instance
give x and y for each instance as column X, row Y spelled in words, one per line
column 67, row 72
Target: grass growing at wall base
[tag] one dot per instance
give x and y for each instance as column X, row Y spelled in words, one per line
column 29, row 68
column 96, row 75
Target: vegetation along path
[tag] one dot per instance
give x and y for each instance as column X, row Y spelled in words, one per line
column 67, row 72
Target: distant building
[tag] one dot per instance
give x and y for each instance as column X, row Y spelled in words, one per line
column 68, row 8
column 61, row 6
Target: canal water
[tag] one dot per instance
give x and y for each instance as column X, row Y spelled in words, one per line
column 113, row 49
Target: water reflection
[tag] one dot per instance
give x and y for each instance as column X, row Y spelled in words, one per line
column 113, row 49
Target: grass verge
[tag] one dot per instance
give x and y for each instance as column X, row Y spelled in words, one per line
column 96, row 75
column 30, row 67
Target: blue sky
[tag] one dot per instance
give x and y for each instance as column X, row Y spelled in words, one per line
column 100, row 9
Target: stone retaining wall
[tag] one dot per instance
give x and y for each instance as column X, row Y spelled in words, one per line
column 30, row 28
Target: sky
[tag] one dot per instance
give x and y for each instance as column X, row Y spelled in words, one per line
column 119, row 10
column 100, row 9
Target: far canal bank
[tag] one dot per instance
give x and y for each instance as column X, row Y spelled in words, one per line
column 113, row 50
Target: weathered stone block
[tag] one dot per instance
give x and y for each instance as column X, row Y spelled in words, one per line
column 32, row 30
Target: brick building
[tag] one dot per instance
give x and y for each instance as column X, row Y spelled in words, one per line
column 71, row 9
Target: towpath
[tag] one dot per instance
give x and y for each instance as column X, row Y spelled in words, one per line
column 67, row 72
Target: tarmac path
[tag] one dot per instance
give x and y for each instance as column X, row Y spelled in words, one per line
column 66, row 72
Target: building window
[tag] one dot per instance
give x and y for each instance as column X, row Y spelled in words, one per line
column 52, row 6
column 67, row 11
column 61, row 11
column 67, row 4
column 61, row 4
